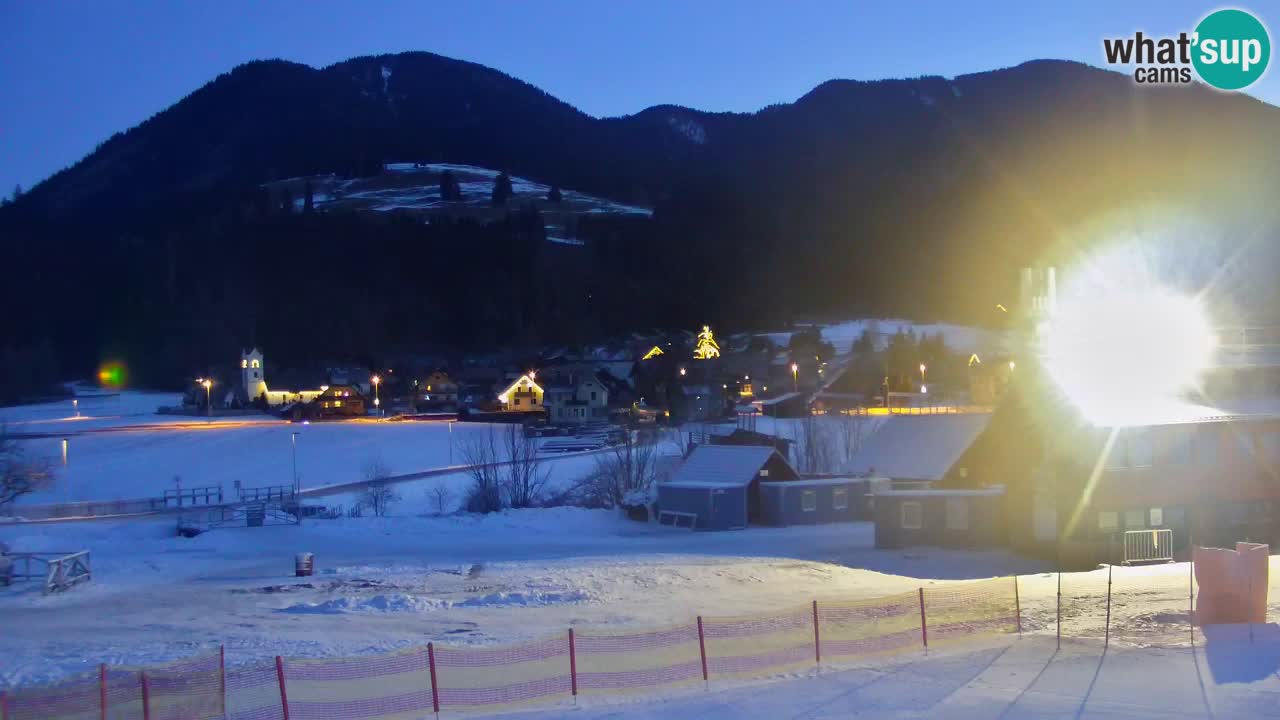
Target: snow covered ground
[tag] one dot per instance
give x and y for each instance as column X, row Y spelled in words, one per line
column 1228, row 676
column 385, row 583
column 144, row 452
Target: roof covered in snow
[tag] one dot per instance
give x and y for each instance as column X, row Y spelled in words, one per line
column 918, row 447
column 711, row 466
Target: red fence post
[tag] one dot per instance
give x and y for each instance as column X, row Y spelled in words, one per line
column 924, row 625
column 435, row 686
column 817, row 639
column 1017, row 604
column 1106, row 642
column 702, row 649
column 284, row 696
column 222, row 676
column 146, row 696
column 573, row 667
column 102, row 689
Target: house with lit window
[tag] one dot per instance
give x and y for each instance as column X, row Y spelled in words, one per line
column 522, row 395
column 335, row 401
column 577, row 403
column 438, row 389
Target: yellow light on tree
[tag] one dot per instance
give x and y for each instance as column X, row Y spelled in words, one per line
column 707, row 347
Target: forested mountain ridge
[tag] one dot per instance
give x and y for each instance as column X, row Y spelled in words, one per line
column 907, row 197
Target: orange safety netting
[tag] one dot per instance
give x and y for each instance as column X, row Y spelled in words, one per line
column 387, row 687
column 754, row 645
column 502, row 676
column 413, row 683
column 621, row 662
column 856, row 628
column 966, row 610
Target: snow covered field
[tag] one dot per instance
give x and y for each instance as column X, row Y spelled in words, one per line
column 385, row 583
column 144, row 452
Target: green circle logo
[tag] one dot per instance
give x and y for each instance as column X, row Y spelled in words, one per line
column 1232, row 49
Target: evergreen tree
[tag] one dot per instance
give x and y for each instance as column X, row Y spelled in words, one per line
column 17, row 192
column 554, row 194
column 308, row 203
column 502, row 190
column 450, row 190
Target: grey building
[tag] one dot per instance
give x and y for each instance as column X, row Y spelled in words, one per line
column 814, row 501
column 943, row 518
column 718, row 486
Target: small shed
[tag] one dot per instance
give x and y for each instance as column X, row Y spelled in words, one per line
column 718, row 486
column 814, row 501
column 943, row 518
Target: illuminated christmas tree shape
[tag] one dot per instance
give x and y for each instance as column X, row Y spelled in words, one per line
column 707, row 347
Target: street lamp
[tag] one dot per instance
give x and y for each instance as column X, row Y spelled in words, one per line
column 377, row 401
column 207, row 384
column 682, row 371
column 75, row 403
column 795, row 377
column 293, row 441
column 922, row 369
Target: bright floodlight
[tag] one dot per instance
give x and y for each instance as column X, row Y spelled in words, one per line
column 1117, row 353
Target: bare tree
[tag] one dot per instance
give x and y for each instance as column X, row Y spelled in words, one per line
column 479, row 451
column 523, row 479
column 20, row 475
column 624, row 474
column 815, row 449
column 378, row 495
column 441, row 496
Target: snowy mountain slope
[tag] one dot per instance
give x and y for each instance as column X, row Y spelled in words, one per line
column 415, row 187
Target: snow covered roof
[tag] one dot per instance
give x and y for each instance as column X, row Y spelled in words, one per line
column 918, row 447
column 713, row 466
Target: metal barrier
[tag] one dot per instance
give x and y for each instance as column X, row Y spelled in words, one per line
column 1148, row 546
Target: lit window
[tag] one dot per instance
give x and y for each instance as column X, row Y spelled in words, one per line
column 256, row 363
column 840, row 499
column 912, row 516
column 957, row 513
column 244, row 363
column 809, row 500
column 764, row 472
column 1108, row 521
column 337, row 403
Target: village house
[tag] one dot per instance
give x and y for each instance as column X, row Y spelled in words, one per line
column 577, row 403
column 522, row 395
column 438, row 389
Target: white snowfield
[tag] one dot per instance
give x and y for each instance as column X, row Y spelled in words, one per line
column 119, row 449
column 1225, row 676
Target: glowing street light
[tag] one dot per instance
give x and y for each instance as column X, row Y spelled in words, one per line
column 922, row 371
column 377, row 400
column 795, row 376
column 682, row 371
column 207, row 384
column 75, row 403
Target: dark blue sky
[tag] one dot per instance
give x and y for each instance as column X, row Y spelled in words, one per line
column 74, row 72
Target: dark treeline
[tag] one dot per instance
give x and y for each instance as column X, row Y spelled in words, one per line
column 911, row 198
